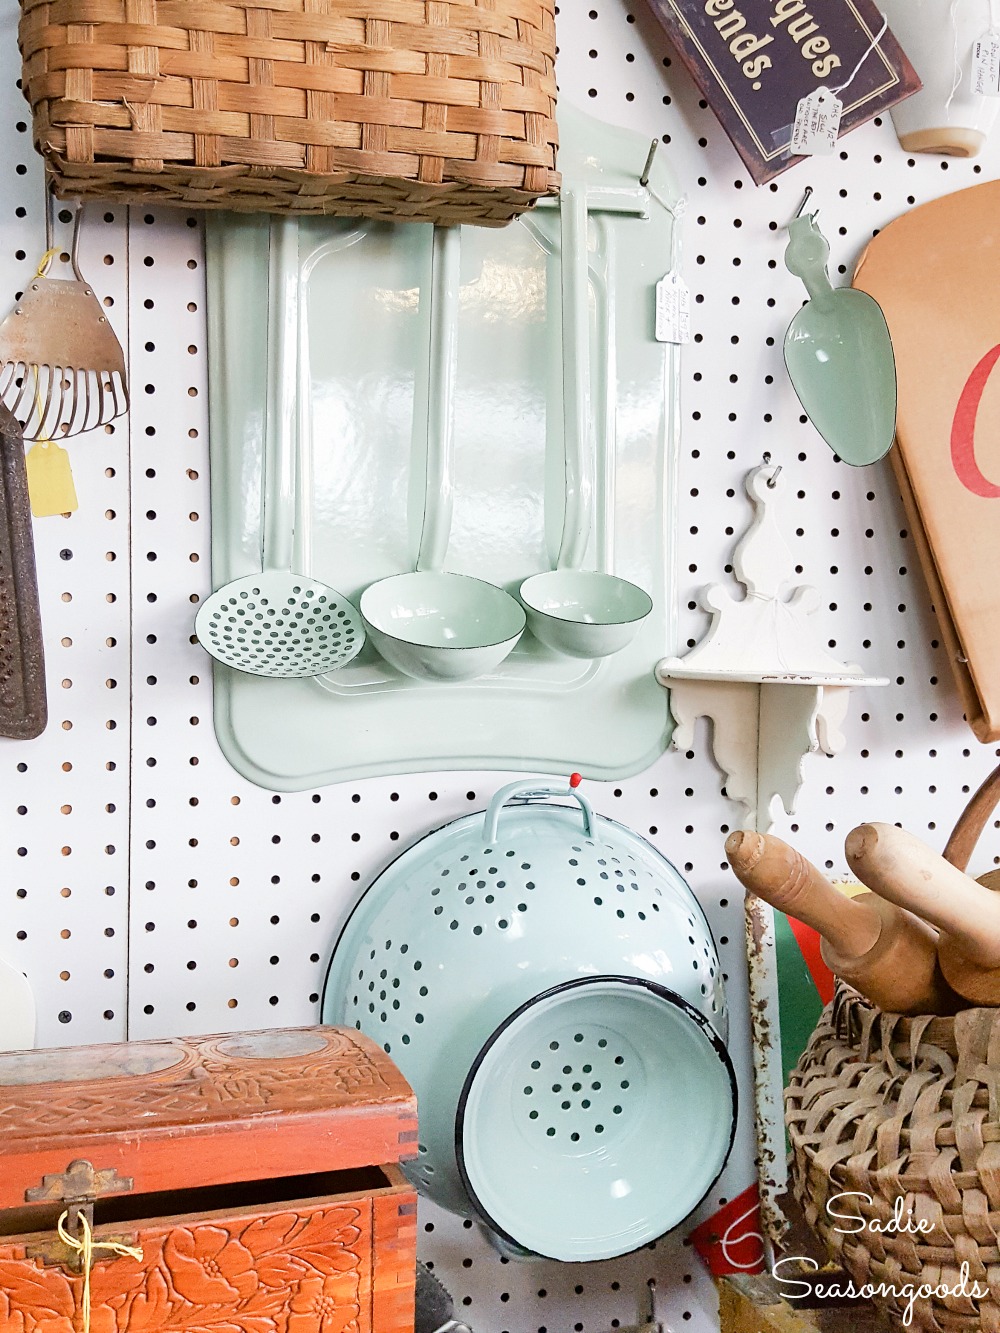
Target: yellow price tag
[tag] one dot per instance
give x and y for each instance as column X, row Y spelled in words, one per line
column 850, row 888
column 50, row 480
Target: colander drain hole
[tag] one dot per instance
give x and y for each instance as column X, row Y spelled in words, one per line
column 576, row 1102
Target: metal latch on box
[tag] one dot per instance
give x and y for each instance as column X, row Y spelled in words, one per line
column 78, row 1187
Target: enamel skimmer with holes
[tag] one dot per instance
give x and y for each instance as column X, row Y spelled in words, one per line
column 279, row 623
column 550, row 987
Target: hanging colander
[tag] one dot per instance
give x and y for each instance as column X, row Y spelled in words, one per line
column 551, row 990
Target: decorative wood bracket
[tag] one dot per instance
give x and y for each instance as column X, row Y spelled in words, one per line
column 762, row 673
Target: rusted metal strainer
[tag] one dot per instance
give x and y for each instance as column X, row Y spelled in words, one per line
column 62, row 370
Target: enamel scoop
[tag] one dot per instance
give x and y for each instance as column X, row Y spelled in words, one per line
column 838, row 355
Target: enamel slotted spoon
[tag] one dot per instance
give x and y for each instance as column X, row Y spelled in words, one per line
column 279, row 623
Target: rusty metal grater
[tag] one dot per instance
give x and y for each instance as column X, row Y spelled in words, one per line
column 23, row 710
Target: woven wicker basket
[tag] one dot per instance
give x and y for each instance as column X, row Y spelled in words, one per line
column 421, row 110
column 906, row 1108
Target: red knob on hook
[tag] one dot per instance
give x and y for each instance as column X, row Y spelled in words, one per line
column 574, row 780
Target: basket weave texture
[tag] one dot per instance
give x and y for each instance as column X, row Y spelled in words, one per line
column 904, row 1108
column 421, row 110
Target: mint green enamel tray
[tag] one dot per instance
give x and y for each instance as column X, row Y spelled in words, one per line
column 360, row 410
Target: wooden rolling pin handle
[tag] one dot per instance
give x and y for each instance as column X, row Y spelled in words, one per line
column 901, row 972
column 905, row 871
column 784, row 878
column 978, row 985
column 888, row 955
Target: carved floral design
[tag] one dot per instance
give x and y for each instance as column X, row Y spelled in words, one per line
column 279, row 1273
column 214, row 1269
column 35, row 1300
column 319, row 1303
column 208, row 1082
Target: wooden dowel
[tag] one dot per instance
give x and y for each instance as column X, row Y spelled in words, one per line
column 904, row 870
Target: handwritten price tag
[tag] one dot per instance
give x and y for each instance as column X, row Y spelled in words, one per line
column 673, row 310
column 817, row 123
column 986, row 64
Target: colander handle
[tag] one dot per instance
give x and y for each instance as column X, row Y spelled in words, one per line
column 527, row 788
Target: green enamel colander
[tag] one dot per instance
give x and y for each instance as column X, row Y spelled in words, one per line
column 549, row 985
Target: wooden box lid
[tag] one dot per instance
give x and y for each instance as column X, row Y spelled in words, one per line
column 196, row 1111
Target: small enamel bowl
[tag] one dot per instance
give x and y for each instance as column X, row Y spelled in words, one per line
column 435, row 626
column 583, row 613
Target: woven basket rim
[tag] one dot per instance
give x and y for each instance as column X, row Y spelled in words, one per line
column 409, row 110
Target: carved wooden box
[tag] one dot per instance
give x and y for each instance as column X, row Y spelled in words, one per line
column 255, row 1172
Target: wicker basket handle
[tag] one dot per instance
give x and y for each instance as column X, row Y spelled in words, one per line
column 972, row 821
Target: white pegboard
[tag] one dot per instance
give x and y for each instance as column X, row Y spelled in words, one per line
column 65, row 796
column 226, row 899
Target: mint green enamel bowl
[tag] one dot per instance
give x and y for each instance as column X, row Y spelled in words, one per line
column 436, row 626
column 583, row 613
column 571, row 1118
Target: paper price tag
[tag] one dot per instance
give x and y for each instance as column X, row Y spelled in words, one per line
column 817, row 123
column 986, row 64
column 673, row 310
column 50, row 480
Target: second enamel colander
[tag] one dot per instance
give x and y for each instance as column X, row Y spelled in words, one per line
column 549, row 985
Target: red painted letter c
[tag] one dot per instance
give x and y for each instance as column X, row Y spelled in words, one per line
column 963, row 430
